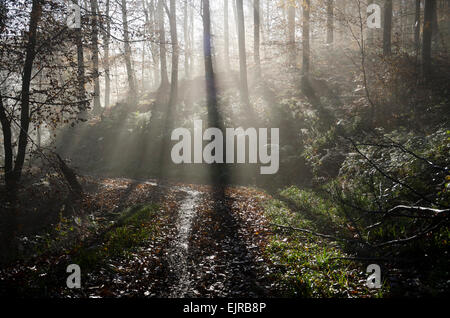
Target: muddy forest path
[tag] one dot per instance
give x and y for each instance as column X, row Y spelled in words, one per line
column 209, row 242
column 151, row 239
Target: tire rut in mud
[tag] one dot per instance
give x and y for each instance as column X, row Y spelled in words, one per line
column 179, row 248
column 221, row 260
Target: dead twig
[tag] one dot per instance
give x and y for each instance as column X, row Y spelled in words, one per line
column 417, row 209
column 309, row 232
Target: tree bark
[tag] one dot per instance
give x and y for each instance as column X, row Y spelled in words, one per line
column 70, row 177
column 291, row 34
column 257, row 33
column 186, row 41
column 242, row 53
column 417, row 28
column 162, row 45
column 370, row 31
column 227, row 36
column 95, row 59
column 403, row 15
column 435, row 23
column 153, row 46
column 211, row 93
column 36, row 13
column 106, row 39
column 147, row 29
column 235, row 15
column 430, row 8
column 7, row 146
column 127, row 47
column 81, row 75
column 192, row 47
column 218, row 172
column 306, row 46
column 387, row 32
column 175, row 55
column 330, row 22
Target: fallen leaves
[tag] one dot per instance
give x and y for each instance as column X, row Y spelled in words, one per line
column 225, row 249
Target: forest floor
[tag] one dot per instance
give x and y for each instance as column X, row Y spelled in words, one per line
column 196, row 241
column 142, row 238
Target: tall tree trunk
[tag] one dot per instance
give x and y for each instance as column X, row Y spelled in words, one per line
column 417, row 28
column 342, row 26
column 330, row 22
column 370, row 31
column 81, row 75
column 186, row 40
column 218, row 172
column 435, row 23
column 143, row 68
column 175, row 55
column 36, row 13
column 306, row 47
column 8, row 221
column 38, row 137
column 235, row 15
column 242, row 53
column 126, row 37
column 153, row 46
column 162, row 45
column 95, row 59
column 147, row 30
column 192, row 46
column 403, row 15
column 430, row 8
column 257, row 32
column 291, row 34
column 387, row 32
column 211, row 93
column 169, row 115
column 106, row 39
column 13, row 175
column 267, row 20
column 8, row 149
column 226, row 35
column 3, row 15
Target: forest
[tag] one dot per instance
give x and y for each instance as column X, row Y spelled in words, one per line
column 224, row 148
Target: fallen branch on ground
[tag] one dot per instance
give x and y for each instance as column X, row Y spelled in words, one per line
column 364, row 259
column 411, row 238
column 392, row 213
column 417, row 209
column 70, row 177
column 309, row 232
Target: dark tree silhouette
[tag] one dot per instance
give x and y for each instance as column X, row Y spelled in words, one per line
column 306, row 30
column 242, row 53
column 430, row 10
column 387, row 31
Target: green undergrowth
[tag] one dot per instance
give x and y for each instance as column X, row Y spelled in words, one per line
column 134, row 227
column 108, row 240
column 308, row 265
